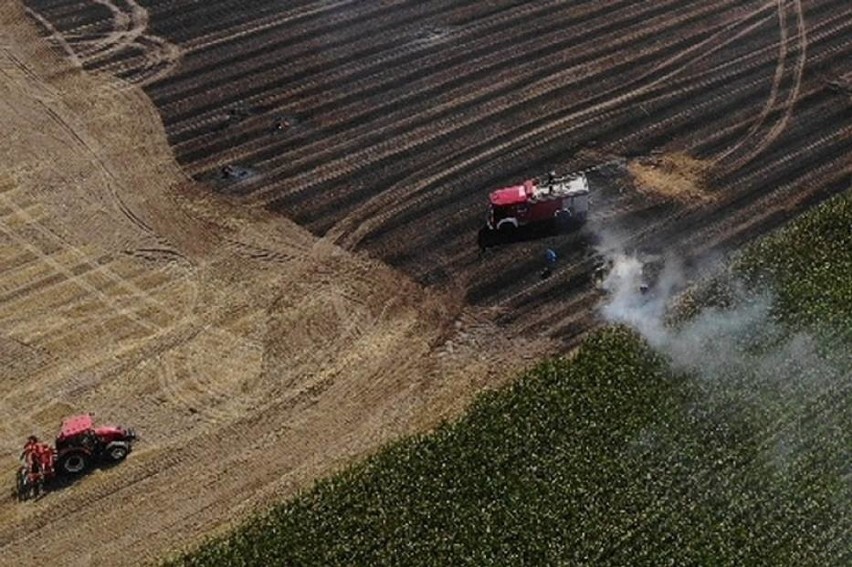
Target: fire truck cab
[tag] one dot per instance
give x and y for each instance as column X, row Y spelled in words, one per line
column 563, row 199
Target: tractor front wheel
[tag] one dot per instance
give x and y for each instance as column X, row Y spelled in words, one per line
column 73, row 464
column 117, row 451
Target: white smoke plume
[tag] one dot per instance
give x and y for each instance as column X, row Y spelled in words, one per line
column 741, row 355
column 713, row 339
column 743, row 335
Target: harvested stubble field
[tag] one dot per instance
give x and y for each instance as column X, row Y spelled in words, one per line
column 250, row 356
column 396, row 118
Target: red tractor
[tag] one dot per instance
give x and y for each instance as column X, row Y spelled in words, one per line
column 79, row 445
column 561, row 199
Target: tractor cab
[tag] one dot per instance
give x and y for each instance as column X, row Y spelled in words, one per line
column 78, row 429
column 75, row 425
column 564, row 199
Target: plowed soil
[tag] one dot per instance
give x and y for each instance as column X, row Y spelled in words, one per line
column 250, row 356
column 379, row 127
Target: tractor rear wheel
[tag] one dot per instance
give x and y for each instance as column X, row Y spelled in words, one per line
column 73, row 464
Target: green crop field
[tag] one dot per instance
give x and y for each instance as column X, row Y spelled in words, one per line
column 622, row 455
column 809, row 264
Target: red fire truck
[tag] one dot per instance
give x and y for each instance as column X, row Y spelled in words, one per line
column 563, row 199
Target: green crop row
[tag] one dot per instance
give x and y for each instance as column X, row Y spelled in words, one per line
column 809, row 265
column 611, row 457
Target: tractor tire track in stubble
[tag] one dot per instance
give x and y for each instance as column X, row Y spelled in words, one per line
column 412, row 111
column 119, row 44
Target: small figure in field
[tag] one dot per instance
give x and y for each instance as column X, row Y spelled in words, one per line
column 549, row 263
column 281, row 126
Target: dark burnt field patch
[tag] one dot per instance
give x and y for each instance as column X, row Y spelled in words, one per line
column 384, row 124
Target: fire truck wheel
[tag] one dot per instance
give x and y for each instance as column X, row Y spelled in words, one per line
column 507, row 228
column 74, row 463
column 116, row 452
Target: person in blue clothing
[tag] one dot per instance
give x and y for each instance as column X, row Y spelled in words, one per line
column 550, row 257
column 549, row 263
